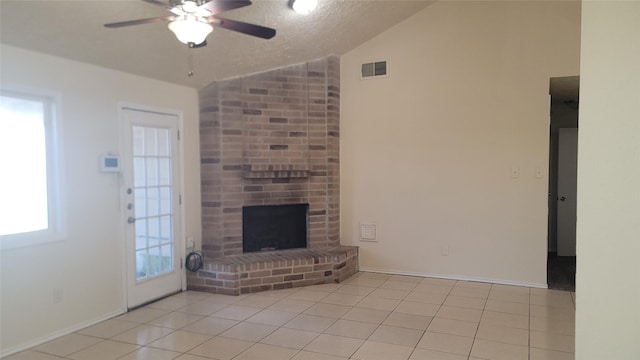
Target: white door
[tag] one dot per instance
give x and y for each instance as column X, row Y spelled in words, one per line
column 152, row 192
column 567, row 183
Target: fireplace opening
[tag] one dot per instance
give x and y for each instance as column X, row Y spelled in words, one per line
column 274, row 227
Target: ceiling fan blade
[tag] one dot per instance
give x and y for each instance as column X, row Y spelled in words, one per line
column 218, row 6
column 245, row 28
column 139, row 22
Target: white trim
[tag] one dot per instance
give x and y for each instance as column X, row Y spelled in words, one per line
column 60, row 333
column 454, row 277
column 123, row 215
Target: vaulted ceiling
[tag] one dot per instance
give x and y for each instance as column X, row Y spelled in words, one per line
column 74, row 29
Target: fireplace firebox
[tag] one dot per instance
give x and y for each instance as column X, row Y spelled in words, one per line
column 274, row 227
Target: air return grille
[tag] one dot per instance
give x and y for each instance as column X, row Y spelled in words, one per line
column 373, row 69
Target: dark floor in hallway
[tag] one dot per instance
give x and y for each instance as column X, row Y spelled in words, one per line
column 561, row 272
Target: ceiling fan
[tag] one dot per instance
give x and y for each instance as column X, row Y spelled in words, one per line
column 193, row 20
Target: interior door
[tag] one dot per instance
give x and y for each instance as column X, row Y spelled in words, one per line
column 567, row 183
column 152, row 192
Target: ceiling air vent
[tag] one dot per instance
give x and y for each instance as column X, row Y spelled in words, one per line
column 374, row 69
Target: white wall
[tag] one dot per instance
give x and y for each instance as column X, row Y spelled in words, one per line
column 427, row 152
column 87, row 265
column 608, row 229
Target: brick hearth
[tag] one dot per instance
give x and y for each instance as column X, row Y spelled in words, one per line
column 273, row 270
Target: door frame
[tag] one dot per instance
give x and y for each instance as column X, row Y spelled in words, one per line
column 180, row 242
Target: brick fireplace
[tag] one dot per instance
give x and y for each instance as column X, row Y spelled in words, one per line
column 271, row 139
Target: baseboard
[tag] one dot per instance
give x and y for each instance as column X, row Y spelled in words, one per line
column 454, row 277
column 57, row 334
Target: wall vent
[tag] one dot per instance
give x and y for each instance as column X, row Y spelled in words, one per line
column 374, row 69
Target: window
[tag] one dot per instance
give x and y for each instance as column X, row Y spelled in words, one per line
column 30, row 209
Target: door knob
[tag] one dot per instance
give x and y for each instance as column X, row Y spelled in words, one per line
column 131, row 220
column 562, row 198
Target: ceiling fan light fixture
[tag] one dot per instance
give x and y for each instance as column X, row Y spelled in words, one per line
column 190, row 29
column 304, row 7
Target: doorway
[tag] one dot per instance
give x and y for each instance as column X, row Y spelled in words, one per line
column 151, row 179
column 563, row 149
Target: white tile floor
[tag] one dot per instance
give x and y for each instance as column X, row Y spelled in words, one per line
column 369, row 317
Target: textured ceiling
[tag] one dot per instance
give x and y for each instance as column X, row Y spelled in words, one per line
column 74, row 30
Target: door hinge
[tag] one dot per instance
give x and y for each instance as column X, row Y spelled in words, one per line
column 178, row 134
column 181, row 263
column 180, row 199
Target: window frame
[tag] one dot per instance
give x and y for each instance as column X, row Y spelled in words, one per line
column 56, row 230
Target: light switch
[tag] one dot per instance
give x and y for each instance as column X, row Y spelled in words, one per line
column 515, row 172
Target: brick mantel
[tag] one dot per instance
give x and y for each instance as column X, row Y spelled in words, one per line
column 269, row 139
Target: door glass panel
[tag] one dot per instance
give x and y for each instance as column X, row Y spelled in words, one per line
column 154, row 231
column 150, row 141
column 153, row 201
column 152, row 187
column 165, row 200
column 141, row 243
column 139, row 179
column 165, row 229
column 141, row 264
column 138, row 141
column 164, row 148
column 140, row 203
column 165, row 264
column 164, row 171
column 141, row 228
column 154, row 261
column 152, row 171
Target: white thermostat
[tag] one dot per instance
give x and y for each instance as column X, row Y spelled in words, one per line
column 110, row 163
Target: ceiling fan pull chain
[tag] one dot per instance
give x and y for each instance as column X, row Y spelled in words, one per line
column 189, row 62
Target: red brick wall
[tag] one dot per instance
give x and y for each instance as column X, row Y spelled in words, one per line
column 268, row 139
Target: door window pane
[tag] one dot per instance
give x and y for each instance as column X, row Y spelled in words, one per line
column 165, row 200
column 150, row 141
column 138, row 141
column 141, row 242
column 154, row 231
column 152, row 171
column 153, row 200
column 140, row 203
column 141, row 227
column 165, row 229
column 164, row 171
column 139, row 178
column 141, row 264
column 164, row 144
column 154, row 261
column 166, row 263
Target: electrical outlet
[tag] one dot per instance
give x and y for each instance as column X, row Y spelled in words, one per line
column 539, row 173
column 57, row 295
column 515, row 172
